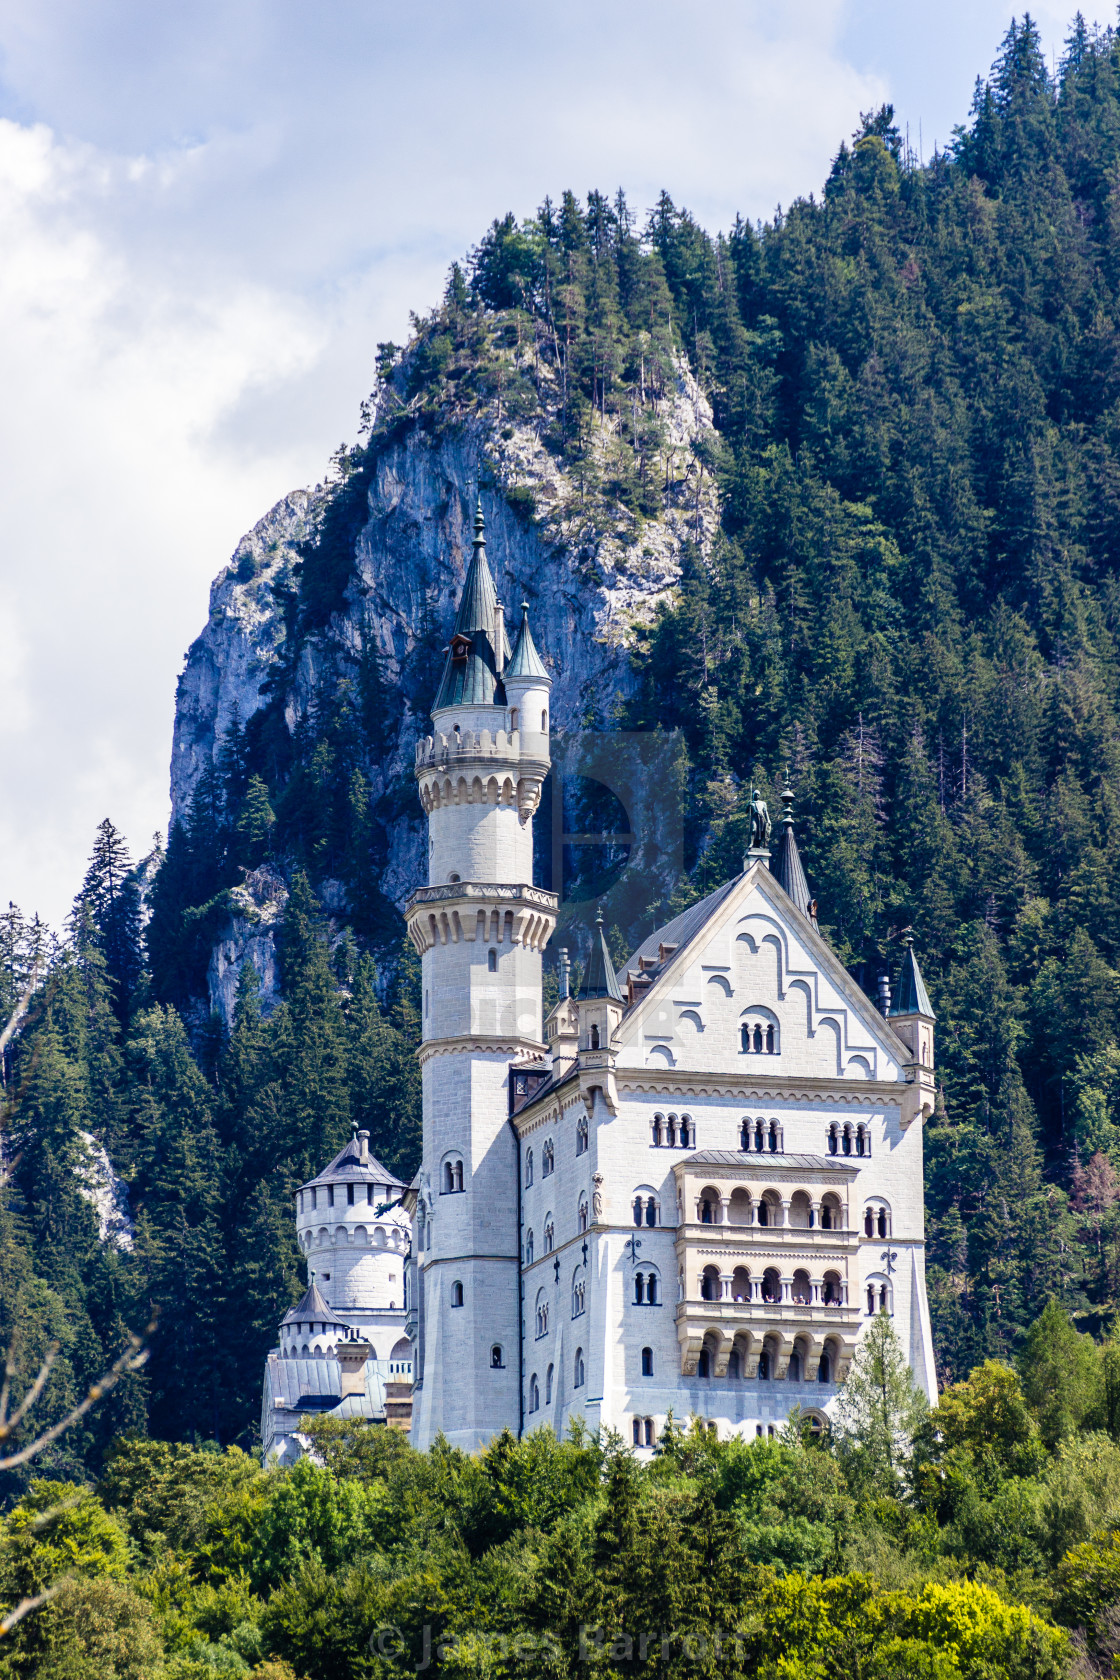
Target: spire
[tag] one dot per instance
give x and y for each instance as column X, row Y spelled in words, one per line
column 786, row 864
column 470, row 676
column 912, row 998
column 600, row 979
column 525, row 661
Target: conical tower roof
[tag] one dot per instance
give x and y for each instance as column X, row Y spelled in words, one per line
column 525, row 661
column 348, row 1163
column 470, row 676
column 312, row 1306
column 912, row 997
column 786, row 862
column 600, row 980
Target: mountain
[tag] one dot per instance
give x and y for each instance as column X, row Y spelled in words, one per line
column 835, row 497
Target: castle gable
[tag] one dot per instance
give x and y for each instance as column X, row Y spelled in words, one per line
column 742, row 983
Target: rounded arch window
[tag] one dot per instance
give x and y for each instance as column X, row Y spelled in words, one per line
column 711, row 1285
column 579, row 1373
column 647, row 1362
column 548, row 1385
column 452, row 1176
column 528, row 1168
column 542, row 1314
column 877, row 1218
column 528, row 1248
column 456, row 1294
column 824, row 1369
column 771, row 1286
column 534, row 1394
column 497, row 1363
column 492, row 960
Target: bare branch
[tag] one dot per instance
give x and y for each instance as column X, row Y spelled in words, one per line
column 26, row 1605
column 8, row 1424
column 21, row 1007
column 133, row 1357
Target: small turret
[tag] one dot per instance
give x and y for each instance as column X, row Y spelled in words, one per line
column 561, row 1030
column 912, row 1018
column 601, row 1008
column 527, row 685
column 472, row 673
column 786, row 864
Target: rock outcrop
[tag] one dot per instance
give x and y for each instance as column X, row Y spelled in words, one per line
column 592, row 571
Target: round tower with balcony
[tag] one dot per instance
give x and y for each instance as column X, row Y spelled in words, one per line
column 480, row 927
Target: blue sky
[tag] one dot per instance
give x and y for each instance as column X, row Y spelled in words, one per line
column 211, row 212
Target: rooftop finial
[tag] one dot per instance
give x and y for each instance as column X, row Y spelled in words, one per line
column 479, row 524
column 565, row 973
column 786, row 865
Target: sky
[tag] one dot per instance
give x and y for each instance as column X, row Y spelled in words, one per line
column 210, row 214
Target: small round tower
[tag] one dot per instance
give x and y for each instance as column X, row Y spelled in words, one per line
column 356, row 1237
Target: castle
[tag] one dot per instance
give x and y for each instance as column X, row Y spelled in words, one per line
column 690, row 1188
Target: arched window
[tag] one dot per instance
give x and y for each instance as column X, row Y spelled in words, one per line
column 549, row 1236
column 775, row 1138
column 824, row 1369
column 771, row 1285
column 314, row 1199
column 639, row 1289
column 802, row 1289
column 763, row 1211
column 869, row 1222
column 672, row 1124
column 497, row 1363
column 582, row 1214
column 542, row 1314
column 647, row 1362
column 456, row 1294
column 452, row 1177
column 711, row 1285
column 733, row 1367
column 831, row 1291
column 764, row 1366
column 652, row 1293
column 870, row 1300
column 758, row 1041
column 759, row 1136
column 534, row 1395
column 794, row 1371
column 594, row 1037
column 657, row 1122
column 548, row 1158
column 492, row 961
column 833, row 1140
column 651, row 1210
column 579, row 1292
column 581, row 1135
column 745, row 1135
column 528, row 1168
column 637, row 1432
column 578, row 1374
column 548, row 1386
column 330, row 1195
column 770, row 1041
column 528, row 1248
column 740, row 1284
column 637, row 1210
column 847, row 1140
column 649, row 1432
column 704, row 1366
column 745, row 1037
column 688, row 1132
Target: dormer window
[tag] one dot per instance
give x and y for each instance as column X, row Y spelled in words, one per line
column 460, row 646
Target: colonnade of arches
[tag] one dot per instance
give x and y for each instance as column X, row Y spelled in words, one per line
column 800, row 1209
column 769, row 1356
column 768, row 1286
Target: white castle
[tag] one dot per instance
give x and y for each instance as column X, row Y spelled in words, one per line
column 693, row 1186
column 689, row 1190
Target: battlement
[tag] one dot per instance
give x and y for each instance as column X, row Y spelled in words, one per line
column 442, row 751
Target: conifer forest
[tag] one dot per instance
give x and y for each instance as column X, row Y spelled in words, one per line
column 912, row 609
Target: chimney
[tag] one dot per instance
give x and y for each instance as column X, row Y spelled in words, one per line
column 363, row 1148
column 352, row 1358
column 884, row 994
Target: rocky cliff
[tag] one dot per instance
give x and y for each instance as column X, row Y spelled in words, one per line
column 592, row 569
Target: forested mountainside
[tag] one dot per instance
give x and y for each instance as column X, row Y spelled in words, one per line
column 836, row 495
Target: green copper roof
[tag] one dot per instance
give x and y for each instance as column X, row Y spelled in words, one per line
column 600, row 980
column 470, row 677
column 912, row 997
column 525, row 660
column 786, row 864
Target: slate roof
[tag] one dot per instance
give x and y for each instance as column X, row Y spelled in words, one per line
column 312, row 1307
column 348, row 1165
column 786, row 866
column 525, row 661
column 745, row 1158
column 681, row 930
column 912, row 997
column 472, row 679
column 314, row 1385
column 600, row 979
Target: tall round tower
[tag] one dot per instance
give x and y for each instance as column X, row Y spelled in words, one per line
column 480, row 927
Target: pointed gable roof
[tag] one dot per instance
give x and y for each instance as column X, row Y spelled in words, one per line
column 525, row 660
column 348, row 1164
column 600, row 980
column 786, row 864
column 470, row 676
column 912, row 997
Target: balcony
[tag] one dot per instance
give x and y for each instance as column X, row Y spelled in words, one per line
column 804, row 1242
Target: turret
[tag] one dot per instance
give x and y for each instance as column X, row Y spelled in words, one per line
column 528, row 687
column 601, row 1008
column 913, row 1019
column 786, row 862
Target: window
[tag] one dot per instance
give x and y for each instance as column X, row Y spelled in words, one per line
column 647, row 1362
column 794, row 1372
column 528, row 1168
column 548, row 1158
column 456, row 1294
column 711, row 1285
column 594, row 1037
column 704, row 1366
column 764, row 1366
column 369, row 1195
column 314, row 1198
column 581, row 1135
column 824, row 1369
column 657, row 1125
column 579, row 1293
column 733, row 1367
column 528, row 1248
column 330, row 1195
column 877, row 1220
column 833, row 1139
column 578, row 1373
column 650, row 1436
column 492, row 961
column 548, row 1386
column 301, row 1201
column 688, row 1133
column 497, row 1363
column 542, row 1315
column 544, row 723
column 349, row 1195
column 534, row 1395
column 771, row 1286
column 549, row 1236
column 637, row 1432
column 452, row 1177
